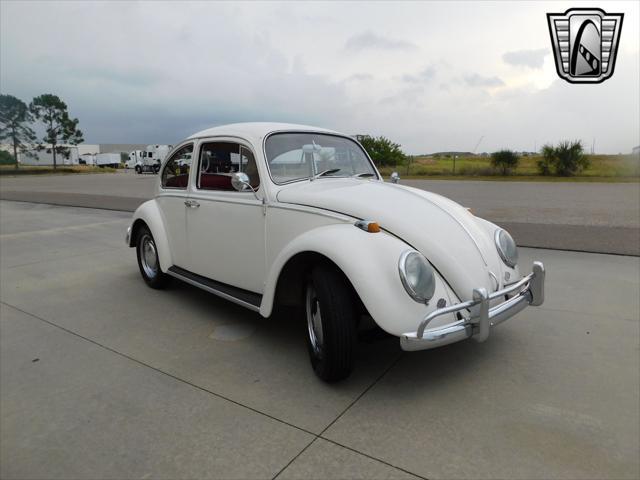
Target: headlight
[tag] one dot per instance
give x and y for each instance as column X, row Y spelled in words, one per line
column 417, row 276
column 506, row 247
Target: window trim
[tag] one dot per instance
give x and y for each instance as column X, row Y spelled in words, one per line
column 202, row 143
column 312, row 132
column 169, row 159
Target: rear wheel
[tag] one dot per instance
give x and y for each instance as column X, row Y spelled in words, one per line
column 148, row 260
column 331, row 323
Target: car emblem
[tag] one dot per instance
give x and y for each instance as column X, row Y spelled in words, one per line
column 585, row 43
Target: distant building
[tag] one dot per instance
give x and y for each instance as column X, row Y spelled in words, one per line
column 635, row 150
column 32, row 156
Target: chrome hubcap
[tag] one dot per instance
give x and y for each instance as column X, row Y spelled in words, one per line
column 149, row 257
column 314, row 320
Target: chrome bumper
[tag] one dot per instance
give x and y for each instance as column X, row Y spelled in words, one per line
column 478, row 316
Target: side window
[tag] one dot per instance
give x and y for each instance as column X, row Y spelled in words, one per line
column 220, row 160
column 176, row 171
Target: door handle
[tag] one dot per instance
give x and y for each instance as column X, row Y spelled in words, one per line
column 191, row 203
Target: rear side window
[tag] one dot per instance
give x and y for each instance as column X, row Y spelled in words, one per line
column 220, row 160
column 176, row 171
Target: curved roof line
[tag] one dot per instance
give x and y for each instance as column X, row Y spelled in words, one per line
column 256, row 129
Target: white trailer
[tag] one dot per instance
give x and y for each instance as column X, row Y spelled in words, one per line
column 108, row 160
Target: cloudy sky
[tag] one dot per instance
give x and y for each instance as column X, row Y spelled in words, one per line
column 431, row 76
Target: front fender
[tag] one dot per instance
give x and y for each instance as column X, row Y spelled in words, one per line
column 150, row 214
column 370, row 262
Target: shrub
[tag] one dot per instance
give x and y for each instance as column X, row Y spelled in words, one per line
column 545, row 164
column 566, row 159
column 570, row 158
column 504, row 160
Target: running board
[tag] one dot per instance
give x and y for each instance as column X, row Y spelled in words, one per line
column 236, row 295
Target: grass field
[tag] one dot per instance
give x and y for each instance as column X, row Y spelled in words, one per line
column 608, row 168
column 11, row 170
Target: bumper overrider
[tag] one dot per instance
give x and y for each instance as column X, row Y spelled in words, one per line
column 476, row 316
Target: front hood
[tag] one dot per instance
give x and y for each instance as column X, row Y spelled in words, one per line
column 453, row 240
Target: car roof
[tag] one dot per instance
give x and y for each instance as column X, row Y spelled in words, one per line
column 256, row 130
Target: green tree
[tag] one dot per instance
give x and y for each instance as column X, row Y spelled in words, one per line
column 546, row 163
column 15, row 118
column 505, row 160
column 570, row 158
column 565, row 159
column 382, row 150
column 6, row 158
column 59, row 127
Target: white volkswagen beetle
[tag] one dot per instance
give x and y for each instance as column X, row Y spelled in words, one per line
column 267, row 214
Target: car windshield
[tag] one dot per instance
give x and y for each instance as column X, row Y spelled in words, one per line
column 296, row 156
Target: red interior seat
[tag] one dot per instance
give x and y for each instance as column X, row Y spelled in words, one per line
column 214, row 181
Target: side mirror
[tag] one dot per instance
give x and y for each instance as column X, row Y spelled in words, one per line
column 240, row 181
column 395, row 178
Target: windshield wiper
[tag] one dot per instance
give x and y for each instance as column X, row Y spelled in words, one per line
column 325, row 172
column 363, row 175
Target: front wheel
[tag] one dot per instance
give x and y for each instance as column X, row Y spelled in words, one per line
column 138, row 169
column 148, row 260
column 331, row 323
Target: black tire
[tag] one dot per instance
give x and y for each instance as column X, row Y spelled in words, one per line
column 138, row 169
column 328, row 300
column 148, row 260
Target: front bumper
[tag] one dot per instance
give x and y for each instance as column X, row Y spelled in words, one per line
column 477, row 317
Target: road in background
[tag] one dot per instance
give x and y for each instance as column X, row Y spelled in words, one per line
column 593, row 217
column 101, row 376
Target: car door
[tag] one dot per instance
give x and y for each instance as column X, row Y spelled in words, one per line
column 171, row 198
column 225, row 227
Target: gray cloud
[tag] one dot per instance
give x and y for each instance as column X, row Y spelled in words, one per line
column 287, row 62
column 359, row 77
column 425, row 75
column 372, row 41
column 526, row 58
column 475, row 80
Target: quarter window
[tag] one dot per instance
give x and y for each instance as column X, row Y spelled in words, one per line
column 220, row 160
column 176, row 171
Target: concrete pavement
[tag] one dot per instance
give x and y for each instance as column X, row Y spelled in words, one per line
column 592, row 217
column 102, row 377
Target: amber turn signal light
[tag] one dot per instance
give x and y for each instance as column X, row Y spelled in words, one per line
column 368, row 226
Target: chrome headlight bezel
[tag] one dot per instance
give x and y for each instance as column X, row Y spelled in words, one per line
column 509, row 259
column 410, row 286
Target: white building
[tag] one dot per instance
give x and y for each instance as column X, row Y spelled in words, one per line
column 76, row 152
